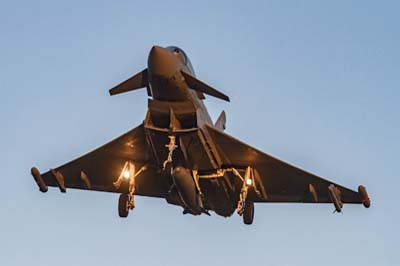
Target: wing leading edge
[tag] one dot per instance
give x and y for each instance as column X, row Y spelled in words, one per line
column 282, row 181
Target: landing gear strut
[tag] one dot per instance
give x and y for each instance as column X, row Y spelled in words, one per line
column 245, row 205
column 242, row 200
column 171, row 147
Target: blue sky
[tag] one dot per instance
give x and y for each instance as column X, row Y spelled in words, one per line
column 313, row 83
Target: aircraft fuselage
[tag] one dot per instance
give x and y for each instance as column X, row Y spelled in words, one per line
column 184, row 106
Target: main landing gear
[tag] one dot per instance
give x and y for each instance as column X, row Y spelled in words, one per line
column 245, row 205
column 126, row 202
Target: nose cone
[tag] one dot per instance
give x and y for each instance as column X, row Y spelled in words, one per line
column 162, row 62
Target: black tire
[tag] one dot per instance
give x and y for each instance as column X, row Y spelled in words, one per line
column 248, row 214
column 123, row 205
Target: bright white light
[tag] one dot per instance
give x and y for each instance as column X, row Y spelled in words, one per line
column 248, row 181
column 127, row 174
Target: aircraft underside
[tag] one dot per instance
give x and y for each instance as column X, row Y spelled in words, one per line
column 179, row 155
column 181, row 150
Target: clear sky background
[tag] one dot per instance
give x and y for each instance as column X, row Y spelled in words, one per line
column 315, row 83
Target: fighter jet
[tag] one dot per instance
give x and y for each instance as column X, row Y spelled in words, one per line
column 180, row 155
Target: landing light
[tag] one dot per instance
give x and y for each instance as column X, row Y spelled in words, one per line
column 127, row 174
column 249, row 181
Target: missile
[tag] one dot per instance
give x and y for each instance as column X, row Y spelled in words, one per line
column 364, row 196
column 335, row 195
column 39, row 180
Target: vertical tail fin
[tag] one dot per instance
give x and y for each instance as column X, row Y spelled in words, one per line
column 221, row 121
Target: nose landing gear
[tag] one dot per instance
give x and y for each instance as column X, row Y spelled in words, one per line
column 171, row 147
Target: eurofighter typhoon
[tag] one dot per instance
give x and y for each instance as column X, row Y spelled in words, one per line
column 179, row 154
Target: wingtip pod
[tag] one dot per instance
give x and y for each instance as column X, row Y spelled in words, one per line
column 39, row 180
column 364, row 196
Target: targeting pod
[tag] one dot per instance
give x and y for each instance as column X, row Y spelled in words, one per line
column 364, row 196
column 335, row 195
column 39, row 180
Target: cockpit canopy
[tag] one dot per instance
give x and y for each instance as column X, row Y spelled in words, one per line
column 182, row 55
